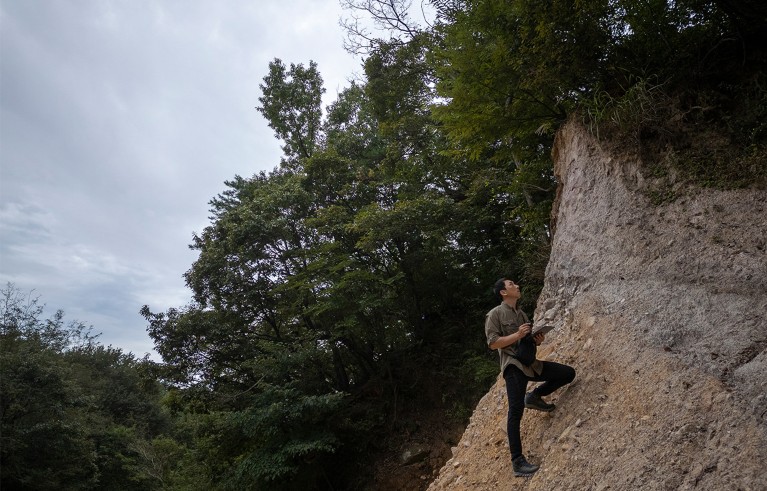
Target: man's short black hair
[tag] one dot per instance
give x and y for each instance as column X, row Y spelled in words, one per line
column 499, row 285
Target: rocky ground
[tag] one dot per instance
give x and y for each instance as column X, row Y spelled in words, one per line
column 662, row 310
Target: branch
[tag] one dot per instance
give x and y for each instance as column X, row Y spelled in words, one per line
column 387, row 15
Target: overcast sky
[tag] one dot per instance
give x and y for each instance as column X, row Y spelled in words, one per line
column 120, row 120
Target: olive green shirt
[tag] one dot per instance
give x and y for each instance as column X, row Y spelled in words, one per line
column 502, row 321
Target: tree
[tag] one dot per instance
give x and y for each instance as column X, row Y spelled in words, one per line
column 511, row 71
column 392, row 17
column 45, row 442
column 291, row 104
column 73, row 413
column 315, row 289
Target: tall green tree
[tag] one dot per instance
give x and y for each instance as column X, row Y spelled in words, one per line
column 291, row 103
column 318, row 287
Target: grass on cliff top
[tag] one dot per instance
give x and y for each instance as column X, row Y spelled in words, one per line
column 710, row 138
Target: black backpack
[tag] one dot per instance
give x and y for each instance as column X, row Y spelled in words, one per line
column 527, row 350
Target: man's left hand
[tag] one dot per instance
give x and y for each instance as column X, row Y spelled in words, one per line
column 538, row 338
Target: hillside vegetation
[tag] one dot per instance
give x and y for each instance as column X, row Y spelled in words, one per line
column 336, row 301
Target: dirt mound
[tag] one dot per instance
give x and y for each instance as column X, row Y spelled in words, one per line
column 661, row 310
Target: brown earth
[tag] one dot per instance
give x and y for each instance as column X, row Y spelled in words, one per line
column 661, row 310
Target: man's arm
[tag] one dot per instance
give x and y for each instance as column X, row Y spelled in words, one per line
column 495, row 339
column 504, row 341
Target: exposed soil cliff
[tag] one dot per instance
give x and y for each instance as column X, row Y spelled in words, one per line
column 662, row 310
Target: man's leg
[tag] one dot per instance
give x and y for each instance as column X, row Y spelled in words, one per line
column 516, row 385
column 553, row 376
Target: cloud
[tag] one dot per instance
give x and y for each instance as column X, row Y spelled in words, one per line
column 119, row 121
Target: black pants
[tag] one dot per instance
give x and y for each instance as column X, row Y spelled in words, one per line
column 554, row 376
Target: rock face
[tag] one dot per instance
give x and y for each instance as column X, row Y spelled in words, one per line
column 662, row 310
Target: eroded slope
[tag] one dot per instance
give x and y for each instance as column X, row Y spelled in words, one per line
column 661, row 310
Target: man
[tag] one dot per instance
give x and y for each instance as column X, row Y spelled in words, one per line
column 508, row 330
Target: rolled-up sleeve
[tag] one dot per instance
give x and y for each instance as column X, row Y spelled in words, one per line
column 492, row 327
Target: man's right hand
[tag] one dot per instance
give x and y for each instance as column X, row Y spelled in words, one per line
column 524, row 330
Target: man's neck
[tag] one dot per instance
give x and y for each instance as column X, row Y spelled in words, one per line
column 511, row 302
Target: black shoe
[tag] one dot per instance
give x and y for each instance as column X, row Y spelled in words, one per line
column 523, row 468
column 533, row 401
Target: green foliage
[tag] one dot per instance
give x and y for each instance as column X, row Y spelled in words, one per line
column 44, row 433
column 480, row 368
column 680, row 84
column 718, row 141
column 288, row 434
column 728, row 147
column 338, row 295
column 291, row 104
column 73, row 413
column 329, row 291
column 511, row 71
column 641, row 107
column 499, row 67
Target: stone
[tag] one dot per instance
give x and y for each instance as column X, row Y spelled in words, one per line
column 550, row 314
column 413, row 455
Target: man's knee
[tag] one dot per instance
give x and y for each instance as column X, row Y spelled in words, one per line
column 569, row 374
column 515, row 413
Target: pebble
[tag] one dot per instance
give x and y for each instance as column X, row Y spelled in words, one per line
column 565, row 433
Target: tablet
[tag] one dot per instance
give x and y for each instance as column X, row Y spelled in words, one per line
column 542, row 330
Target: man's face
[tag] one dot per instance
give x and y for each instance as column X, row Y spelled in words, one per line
column 512, row 290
